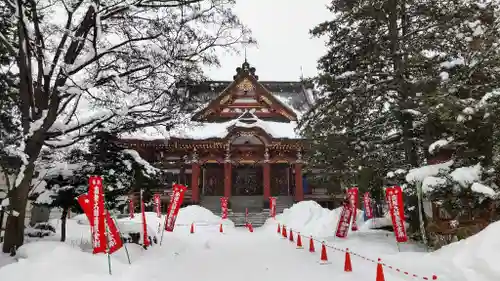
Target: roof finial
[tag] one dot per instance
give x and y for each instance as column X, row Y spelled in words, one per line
column 301, row 73
column 246, row 54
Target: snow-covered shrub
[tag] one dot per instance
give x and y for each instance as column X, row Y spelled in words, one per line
column 461, row 191
column 40, row 230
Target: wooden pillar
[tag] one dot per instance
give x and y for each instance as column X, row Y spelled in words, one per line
column 266, row 175
column 195, row 178
column 299, row 190
column 227, row 173
column 227, row 179
column 267, row 180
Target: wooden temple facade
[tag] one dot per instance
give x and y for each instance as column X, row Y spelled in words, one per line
column 245, row 146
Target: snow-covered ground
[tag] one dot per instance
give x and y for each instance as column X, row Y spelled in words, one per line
column 262, row 255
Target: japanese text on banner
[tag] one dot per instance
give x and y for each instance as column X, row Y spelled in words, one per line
column 96, row 198
column 353, row 201
column 173, row 208
column 344, row 221
column 368, row 206
column 157, row 200
column 224, row 207
column 394, row 198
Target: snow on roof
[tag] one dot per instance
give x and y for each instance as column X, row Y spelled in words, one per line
column 202, row 130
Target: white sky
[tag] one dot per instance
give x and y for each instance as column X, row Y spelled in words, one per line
column 281, row 28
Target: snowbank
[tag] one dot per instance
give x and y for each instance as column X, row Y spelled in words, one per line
column 199, row 215
column 310, row 218
column 476, row 256
column 58, row 261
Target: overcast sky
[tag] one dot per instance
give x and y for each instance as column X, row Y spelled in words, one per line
column 281, row 28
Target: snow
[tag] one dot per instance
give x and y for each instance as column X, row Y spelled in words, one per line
column 210, row 255
column 437, row 144
column 139, row 160
column 310, row 218
column 430, row 183
column 465, row 176
column 453, row 63
column 481, row 188
column 419, row 174
column 202, row 130
column 475, row 258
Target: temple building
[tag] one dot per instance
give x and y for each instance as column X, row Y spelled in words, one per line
column 243, row 144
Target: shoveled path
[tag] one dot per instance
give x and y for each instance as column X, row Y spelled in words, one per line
column 240, row 255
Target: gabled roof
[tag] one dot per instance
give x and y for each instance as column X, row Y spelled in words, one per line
column 245, row 80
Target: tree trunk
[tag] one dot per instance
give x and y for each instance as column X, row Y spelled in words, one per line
column 64, row 217
column 18, row 199
column 2, row 213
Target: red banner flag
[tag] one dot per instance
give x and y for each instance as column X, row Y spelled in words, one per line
column 352, row 194
column 144, row 224
column 84, row 202
column 368, row 206
column 131, row 208
column 394, row 196
column 175, row 205
column 344, row 221
column 223, row 207
column 157, row 200
column 272, row 207
column 96, row 198
column 114, row 239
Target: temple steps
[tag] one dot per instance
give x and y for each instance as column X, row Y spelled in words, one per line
column 257, row 215
column 256, row 219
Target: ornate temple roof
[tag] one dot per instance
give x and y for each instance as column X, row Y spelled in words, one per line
column 285, row 100
column 298, row 95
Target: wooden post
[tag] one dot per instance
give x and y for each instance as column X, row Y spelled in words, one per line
column 267, row 180
column 227, row 179
column 299, row 190
column 195, row 175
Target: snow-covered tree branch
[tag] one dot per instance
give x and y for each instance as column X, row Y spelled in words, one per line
column 86, row 66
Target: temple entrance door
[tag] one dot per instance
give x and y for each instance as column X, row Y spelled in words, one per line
column 247, row 180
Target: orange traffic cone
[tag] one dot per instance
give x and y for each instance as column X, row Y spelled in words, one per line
column 347, row 264
column 299, row 241
column 250, row 227
column 380, row 271
column 221, row 230
column 283, row 232
column 279, row 229
column 291, row 235
column 192, row 228
column 324, row 257
column 311, row 245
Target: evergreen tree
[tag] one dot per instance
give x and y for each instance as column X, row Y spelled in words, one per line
column 9, row 90
column 399, row 75
column 122, row 170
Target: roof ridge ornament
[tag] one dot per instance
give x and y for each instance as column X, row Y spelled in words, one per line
column 245, row 69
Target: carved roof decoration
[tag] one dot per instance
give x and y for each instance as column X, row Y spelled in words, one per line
column 245, row 92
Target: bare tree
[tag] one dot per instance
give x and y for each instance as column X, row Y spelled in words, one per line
column 91, row 65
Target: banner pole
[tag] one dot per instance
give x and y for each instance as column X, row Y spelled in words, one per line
column 163, row 230
column 123, row 242
column 107, row 249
